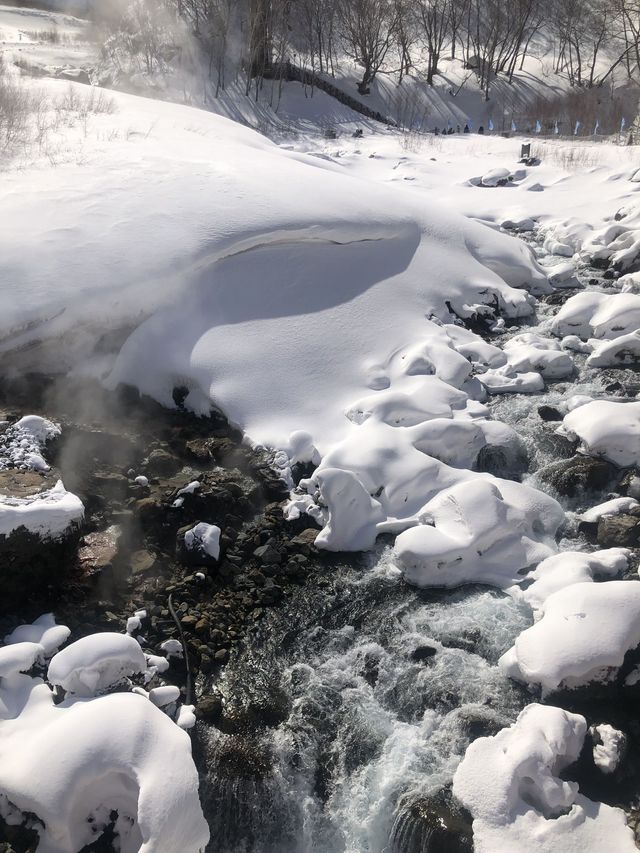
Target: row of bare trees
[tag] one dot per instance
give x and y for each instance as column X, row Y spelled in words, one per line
column 587, row 39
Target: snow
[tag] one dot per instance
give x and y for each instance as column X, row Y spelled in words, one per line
column 576, row 640
column 608, row 752
column 608, row 429
column 42, row 630
column 94, row 664
column 116, row 752
column 478, row 531
column 49, row 514
column 141, row 480
column 612, row 507
column 510, row 783
column 22, row 443
column 172, row 648
column 204, row 538
column 569, row 567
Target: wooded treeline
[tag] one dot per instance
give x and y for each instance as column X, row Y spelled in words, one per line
column 588, row 40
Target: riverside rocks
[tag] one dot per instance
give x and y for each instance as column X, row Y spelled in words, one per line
column 577, row 475
column 134, row 464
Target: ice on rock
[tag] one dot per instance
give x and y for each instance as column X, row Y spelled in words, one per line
column 505, row 381
column 165, row 695
column 96, row 663
column 478, row 531
column 511, row 785
column 605, row 428
column 48, row 514
column 42, row 630
column 576, row 640
column 564, row 275
column 608, row 748
column 574, row 318
column 204, row 538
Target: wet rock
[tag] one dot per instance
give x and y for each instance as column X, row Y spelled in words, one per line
column 189, row 622
column 110, row 485
column 580, row 474
column 268, row 554
column 161, row 463
column 141, row 561
column 435, row 824
column 209, row 708
column 549, row 413
column 422, row 654
column 619, row 530
column 221, row 656
column 98, row 550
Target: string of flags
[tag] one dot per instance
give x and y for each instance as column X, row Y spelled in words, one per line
column 538, row 127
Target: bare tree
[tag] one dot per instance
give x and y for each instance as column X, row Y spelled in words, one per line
column 368, row 29
column 433, row 18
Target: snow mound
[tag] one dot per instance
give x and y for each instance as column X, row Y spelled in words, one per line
column 22, row 443
column 42, row 630
column 96, row 663
column 576, row 640
column 598, row 315
column 607, row 752
column 48, row 514
column 622, row 350
column 66, row 768
column 531, row 352
column 478, row 531
column 570, row 567
column 607, row 429
column 510, row 783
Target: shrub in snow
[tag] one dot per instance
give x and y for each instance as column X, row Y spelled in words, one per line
column 510, row 783
column 96, row 663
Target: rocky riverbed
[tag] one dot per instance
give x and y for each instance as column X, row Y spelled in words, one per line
column 333, row 701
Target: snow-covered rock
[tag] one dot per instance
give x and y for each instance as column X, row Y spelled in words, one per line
column 577, row 640
column 96, row 663
column 496, row 177
column 530, row 352
column 622, row 350
column 49, row 514
column 42, row 630
column 511, row 785
column 22, row 443
column 204, row 539
column 609, row 747
column 479, row 531
column 607, row 429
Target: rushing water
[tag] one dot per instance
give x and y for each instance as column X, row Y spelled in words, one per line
column 355, row 703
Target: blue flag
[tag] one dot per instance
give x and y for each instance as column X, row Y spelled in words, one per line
column 597, row 127
column 577, row 128
column 490, row 125
column 513, row 126
column 622, row 124
column 556, row 130
column 538, row 126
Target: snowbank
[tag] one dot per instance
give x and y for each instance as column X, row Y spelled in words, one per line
column 510, row 783
column 48, row 514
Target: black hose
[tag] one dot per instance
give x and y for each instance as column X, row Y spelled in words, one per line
column 189, row 684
